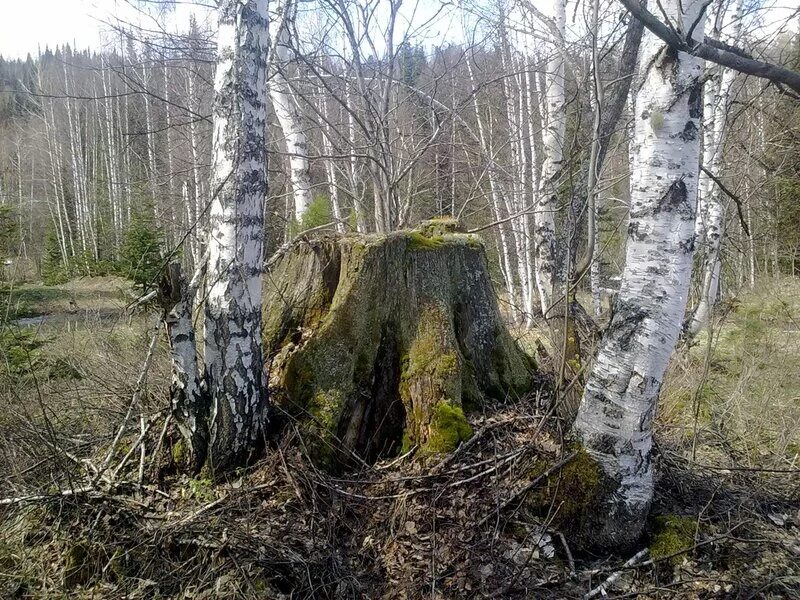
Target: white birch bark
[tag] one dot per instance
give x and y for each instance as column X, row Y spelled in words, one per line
column 615, row 416
column 497, row 213
column 710, row 212
column 515, row 201
column 111, row 160
column 199, row 233
column 188, row 402
column 150, row 139
column 234, row 372
column 553, row 141
column 170, row 175
column 354, row 172
column 287, row 108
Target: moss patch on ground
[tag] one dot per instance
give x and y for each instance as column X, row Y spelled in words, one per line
column 568, row 494
column 672, row 534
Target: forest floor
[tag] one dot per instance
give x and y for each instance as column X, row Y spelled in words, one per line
column 485, row 522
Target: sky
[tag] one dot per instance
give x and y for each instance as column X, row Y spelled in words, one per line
column 27, row 25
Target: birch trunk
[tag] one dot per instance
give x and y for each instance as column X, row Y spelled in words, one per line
column 287, row 108
column 615, row 416
column 199, row 229
column 710, row 215
column 497, row 213
column 189, row 406
column 553, row 141
column 233, row 357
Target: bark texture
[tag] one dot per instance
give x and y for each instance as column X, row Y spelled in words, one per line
column 381, row 342
column 615, row 415
column 233, row 357
column 709, row 227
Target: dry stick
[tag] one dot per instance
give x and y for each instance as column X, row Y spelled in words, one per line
column 160, row 442
column 570, row 559
column 471, row 442
column 144, row 427
column 600, row 589
column 134, row 401
column 527, row 488
column 139, row 441
column 39, row 497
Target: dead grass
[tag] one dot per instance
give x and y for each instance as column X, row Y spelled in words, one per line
column 748, row 402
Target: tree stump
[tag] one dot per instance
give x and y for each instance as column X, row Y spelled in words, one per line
column 378, row 343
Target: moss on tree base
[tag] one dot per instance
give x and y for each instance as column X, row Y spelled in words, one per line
column 378, row 342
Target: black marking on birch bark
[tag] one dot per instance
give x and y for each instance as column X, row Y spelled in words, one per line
column 687, row 245
column 634, row 233
column 666, row 62
column 613, row 412
column 604, row 443
column 689, row 132
column 647, row 416
column 696, row 100
column 658, row 269
column 676, row 199
column 628, row 316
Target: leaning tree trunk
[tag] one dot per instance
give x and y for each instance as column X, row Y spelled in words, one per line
column 378, row 343
column 615, row 415
column 233, row 358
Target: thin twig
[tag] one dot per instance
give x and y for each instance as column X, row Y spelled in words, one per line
column 134, row 402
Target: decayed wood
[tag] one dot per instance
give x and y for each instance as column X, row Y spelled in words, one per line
column 378, row 342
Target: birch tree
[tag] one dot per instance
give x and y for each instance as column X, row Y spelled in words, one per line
column 233, row 359
column 615, row 415
column 710, row 213
column 234, row 376
column 287, row 107
column 555, row 120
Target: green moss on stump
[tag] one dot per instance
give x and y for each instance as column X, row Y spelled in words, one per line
column 419, row 241
column 672, row 533
column 440, row 226
column 449, row 427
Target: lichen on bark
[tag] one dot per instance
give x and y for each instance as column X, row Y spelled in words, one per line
column 379, row 342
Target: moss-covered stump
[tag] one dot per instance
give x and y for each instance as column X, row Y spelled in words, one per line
column 380, row 342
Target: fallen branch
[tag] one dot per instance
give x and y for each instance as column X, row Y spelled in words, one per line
column 601, row 589
column 40, row 497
